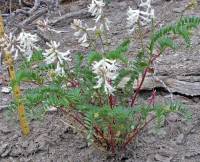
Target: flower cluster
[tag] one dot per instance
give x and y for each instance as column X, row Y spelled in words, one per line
column 27, row 43
column 53, row 55
column 96, row 9
column 81, row 32
column 144, row 15
column 43, row 25
column 9, row 43
column 101, row 22
column 106, row 71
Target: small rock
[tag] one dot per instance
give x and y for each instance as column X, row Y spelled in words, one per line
column 6, row 90
column 16, row 150
column 25, row 144
column 3, row 147
column 7, row 151
column 74, row 8
column 179, row 139
column 160, row 133
column 52, row 109
column 11, row 159
column 32, row 147
column 5, row 130
column 162, row 158
column 15, row 137
column 123, row 5
column 173, row 117
column 41, row 142
column 83, row 145
column 178, row 10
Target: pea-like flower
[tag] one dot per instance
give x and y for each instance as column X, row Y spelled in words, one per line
column 43, row 25
column 106, row 71
column 133, row 16
column 53, row 55
column 9, row 43
column 27, row 43
column 143, row 15
column 148, row 14
column 81, row 31
column 105, row 25
column 96, row 9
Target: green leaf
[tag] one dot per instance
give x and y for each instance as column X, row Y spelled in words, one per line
column 94, row 56
column 117, row 54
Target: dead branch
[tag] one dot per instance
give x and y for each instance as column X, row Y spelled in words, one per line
column 70, row 16
column 26, row 3
column 31, row 19
column 175, row 85
column 34, row 17
column 35, row 6
column 178, row 73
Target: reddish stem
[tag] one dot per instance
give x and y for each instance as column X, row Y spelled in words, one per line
column 154, row 58
column 74, row 117
column 136, row 131
column 152, row 98
column 74, row 84
column 143, row 78
column 139, row 87
column 112, row 141
column 110, row 97
column 98, row 131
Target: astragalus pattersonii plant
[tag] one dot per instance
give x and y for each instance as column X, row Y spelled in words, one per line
column 87, row 85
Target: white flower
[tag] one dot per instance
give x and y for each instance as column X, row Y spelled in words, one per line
column 53, row 55
column 146, row 4
column 9, row 43
column 144, row 15
column 105, row 24
column 60, row 69
column 43, row 25
column 106, row 71
column 81, row 32
column 96, row 9
column 133, row 16
column 83, row 40
column 27, row 43
column 148, row 14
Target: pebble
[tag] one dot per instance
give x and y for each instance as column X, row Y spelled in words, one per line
column 25, row 144
column 123, row 6
column 3, row 148
column 179, row 139
column 162, row 158
column 6, row 90
column 173, row 117
column 5, row 130
column 6, row 152
column 52, row 109
column 178, row 10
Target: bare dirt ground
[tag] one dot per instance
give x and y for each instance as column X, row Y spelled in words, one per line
column 52, row 140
